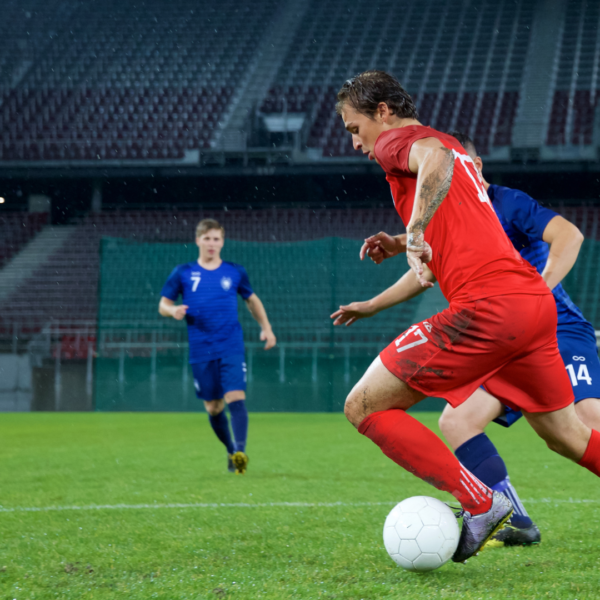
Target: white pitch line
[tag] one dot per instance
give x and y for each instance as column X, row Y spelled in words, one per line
column 4, row 509
column 92, row 507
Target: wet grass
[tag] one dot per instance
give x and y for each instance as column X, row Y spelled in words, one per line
column 236, row 541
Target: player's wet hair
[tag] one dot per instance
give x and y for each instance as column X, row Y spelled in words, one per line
column 365, row 91
column 464, row 140
column 206, row 225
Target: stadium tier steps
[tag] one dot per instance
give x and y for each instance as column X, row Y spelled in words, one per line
column 16, row 229
column 463, row 64
column 114, row 82
column 576, row 94
column 65, row 290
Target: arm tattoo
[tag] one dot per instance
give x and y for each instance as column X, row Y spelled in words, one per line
column 433, row 191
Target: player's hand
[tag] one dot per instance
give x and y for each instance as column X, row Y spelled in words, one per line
column 269, row 337
column 418, row 253
column 379, row 247
column 180, row 311
column 352, row 312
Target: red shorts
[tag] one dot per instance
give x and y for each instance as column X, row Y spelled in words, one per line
column 506, row 343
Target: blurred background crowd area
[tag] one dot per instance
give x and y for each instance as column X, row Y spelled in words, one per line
column 122, row 124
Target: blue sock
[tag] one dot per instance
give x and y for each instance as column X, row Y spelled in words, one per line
column 220, row 425
column 239, row 424
column 480, row 457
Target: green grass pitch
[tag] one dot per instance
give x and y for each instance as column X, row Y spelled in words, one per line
column 137, row 544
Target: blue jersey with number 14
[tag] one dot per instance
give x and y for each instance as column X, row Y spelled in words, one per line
column 214, row 330
column 524, row 221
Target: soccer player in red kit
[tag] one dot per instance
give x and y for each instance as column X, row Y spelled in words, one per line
column 499, row 329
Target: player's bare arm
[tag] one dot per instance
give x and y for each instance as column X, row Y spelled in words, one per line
column 565, row 241
column 258, row 312
column 407, row 287
column 382, row 245
column 167, row 308
column 434, row 164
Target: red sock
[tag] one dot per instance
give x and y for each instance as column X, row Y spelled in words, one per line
column 591, row 457
column 416, row 448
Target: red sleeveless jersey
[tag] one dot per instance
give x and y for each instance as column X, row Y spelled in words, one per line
column 472, row 256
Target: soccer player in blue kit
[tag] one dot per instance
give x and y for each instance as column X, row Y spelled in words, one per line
column 551, row 244
column 209, row 289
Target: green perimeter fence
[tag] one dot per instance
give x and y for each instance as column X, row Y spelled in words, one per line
column 142, row 357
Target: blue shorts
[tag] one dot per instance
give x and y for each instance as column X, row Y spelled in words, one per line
column 579, row 352
column 213, row 379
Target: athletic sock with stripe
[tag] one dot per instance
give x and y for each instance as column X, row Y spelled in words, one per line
column 481, row 457
column 418, row 450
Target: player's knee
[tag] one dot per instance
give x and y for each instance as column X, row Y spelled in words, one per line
column 357, row 407
column 454, row 426
column 352, row 409
column 446, row 422
column 214, row 408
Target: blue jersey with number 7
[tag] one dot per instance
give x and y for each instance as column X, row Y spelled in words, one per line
column 214, row 330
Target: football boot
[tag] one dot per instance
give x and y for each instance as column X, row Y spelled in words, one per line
column 230, row 465
column 510, row 535
column 478, row 529
column 240, row 461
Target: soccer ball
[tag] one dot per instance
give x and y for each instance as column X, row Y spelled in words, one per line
column 421, row 533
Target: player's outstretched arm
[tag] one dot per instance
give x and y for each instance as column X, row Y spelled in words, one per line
column 565, row 241
column 407, row 287
column 258, row 312
column 383, row 245
column 434, row 165
column 167, row 308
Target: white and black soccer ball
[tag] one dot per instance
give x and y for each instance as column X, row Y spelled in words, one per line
column 421, row 533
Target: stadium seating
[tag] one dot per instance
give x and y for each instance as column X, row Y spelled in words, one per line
column 463, row 66
column 73, row 86
column 575, row 97
column 150, row 88
column 158, row 83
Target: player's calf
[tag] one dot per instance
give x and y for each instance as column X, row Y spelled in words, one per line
column 562, row 431
column 588, row 411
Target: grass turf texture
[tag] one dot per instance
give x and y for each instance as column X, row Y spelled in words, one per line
column 269, row 552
